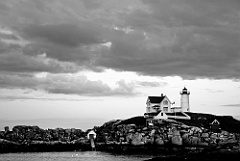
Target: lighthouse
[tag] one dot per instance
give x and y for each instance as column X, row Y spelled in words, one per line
column 185, row 100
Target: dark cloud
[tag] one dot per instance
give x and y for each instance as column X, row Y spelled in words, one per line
column 187, row 38
column 91, row 4
column 204, row 13
column 15, row 61
column 8, row 36
column 189, row 54
column 58, row 52
column 209, row 49
column 66, row 34
column 64, row 84
column 3, row 8
column 3, row 47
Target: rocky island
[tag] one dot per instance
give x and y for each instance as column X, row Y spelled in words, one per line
column 170, row 136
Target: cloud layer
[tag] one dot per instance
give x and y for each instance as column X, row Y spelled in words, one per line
column 187, row 38
column 64, row 84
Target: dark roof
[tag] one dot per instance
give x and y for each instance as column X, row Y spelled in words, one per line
column 175, row 114
column 152, row 114
column 156, row 99
column 185, row 91
column 215, row 122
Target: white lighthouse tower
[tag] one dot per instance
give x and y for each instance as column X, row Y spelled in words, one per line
column 185, row 100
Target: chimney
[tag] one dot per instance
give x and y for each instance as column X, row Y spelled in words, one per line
column 161, row 95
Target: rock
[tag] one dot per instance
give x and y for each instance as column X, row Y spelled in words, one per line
column 175, row 137
column 183, row 131
column 137, row 139
column 196, row 129
column 185, row 126
column 185, row 136
column 152, row 132
column 7, row 142
column 225, row 133
column 129, row 137
column 186, row 140
column 177, row 140
column 81, row 140
column 145, row 129
column 203, row 144
column 205, row 135
column 159, row 141
column 195, row 140
column 131, row 130
column 227, row 141
column 214, row 136
column 148, row 140
column 130, row 126
column 2, row 133
column 176, row 133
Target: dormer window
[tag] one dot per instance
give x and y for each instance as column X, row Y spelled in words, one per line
column 165, row 102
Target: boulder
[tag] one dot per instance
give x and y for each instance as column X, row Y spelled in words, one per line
column 203, row 144
column 129, row 137
column 185, row 136
column 130, row 126
column 177, row 140
column 176, row 133
column 183, row 126
column 131, row 130
column 159, row 141
column 227, row 141
column 214, row 136
column 152, row 132
column 196, row 129
column 148, row 140
column 205, row 135
column 137, row 139
column 145, row 129
column 195, row 140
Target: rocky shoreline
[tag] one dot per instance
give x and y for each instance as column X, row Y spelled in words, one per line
column 123, row 136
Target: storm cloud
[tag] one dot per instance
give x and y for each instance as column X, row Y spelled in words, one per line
column 187, row 38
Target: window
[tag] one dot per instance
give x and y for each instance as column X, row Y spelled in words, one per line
column 156, row 106
column 165, row 108
column 165, row 102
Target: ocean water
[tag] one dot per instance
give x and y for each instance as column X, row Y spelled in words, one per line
column 71, row 156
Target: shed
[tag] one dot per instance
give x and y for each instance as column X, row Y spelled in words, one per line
column 215, row 125
column 91, row 135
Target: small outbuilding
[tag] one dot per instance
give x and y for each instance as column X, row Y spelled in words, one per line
column 91, row 135
column 215, row 125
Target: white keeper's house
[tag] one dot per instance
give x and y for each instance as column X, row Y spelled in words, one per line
column 160, row 107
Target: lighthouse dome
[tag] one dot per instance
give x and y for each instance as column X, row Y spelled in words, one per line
column 185, row 91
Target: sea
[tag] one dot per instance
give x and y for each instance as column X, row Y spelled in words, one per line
column 72, row 156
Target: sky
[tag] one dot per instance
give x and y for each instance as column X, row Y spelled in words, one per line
column 79, row 63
